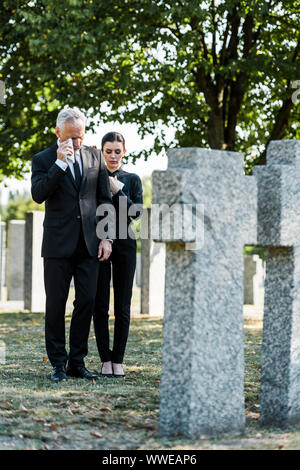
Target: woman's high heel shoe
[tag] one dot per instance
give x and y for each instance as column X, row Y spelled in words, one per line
column 118, row 370
column 107, row 370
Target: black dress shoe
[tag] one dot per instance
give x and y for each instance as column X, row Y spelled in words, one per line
column 82, row 373
column 58, row 374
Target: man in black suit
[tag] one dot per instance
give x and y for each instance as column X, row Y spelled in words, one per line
column 73, row 181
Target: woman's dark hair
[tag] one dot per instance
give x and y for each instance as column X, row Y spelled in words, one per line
column 112, row 137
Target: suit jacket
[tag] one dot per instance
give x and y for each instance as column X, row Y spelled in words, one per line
column 66, row 207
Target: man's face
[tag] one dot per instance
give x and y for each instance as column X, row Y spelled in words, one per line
column 74, row 130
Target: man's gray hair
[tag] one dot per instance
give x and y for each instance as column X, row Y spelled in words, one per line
column 69, row 113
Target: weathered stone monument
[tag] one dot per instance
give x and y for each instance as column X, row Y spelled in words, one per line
column 145, row 261
column 202, row 383
column 254, row 274
column 2, row 257
column 15, row 260
column 157, row 279
column 138, row 270
column 279, row 230
column 153, row 257
column 34, row 273
column 249, row 272
column 259, row 281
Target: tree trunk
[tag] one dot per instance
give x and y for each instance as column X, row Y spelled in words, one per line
column 216, row 130
column 279, row 129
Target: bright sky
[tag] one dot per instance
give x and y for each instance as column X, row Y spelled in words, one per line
column 133, row 143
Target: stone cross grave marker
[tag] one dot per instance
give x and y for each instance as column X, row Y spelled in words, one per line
column 202, row 383
column 279, row 231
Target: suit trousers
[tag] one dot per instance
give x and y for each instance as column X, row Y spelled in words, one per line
column 58, row 273
column 122, row 263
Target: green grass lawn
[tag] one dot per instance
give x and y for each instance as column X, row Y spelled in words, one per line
column 111, row 413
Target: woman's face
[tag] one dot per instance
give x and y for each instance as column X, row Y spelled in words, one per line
column 113, row 152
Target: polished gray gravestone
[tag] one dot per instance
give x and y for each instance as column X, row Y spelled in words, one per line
column 202, row 383
column 279, row 231
column 15, row 260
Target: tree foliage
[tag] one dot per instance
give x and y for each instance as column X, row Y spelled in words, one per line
column 18, row 204
column 219, row 71
column 147, row 191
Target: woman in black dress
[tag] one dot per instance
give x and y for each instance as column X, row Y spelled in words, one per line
column 127, row 192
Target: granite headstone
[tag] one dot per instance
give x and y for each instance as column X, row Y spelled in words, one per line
column 278, row 230
column 35, row 298
column 202, row 383
column 15, row 260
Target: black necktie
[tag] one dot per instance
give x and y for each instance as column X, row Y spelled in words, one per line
column 77, row 174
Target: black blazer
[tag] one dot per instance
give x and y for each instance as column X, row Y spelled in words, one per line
column 133, row 191
column 66, row 208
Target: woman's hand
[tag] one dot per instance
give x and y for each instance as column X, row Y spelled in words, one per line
column 114, row 184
